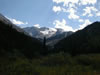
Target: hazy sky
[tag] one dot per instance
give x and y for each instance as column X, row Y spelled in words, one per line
column 65, row 14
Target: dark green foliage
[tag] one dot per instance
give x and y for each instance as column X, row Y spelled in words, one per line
column 82, row 42
column 54, row 64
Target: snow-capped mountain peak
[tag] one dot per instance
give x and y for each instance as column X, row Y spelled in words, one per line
column 43, row 32
column 48, row 32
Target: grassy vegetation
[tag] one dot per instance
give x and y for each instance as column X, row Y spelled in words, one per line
column 54, row 64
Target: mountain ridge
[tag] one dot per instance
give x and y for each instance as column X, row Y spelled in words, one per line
column 83, row 41
column 12, row 39
column 52, row 35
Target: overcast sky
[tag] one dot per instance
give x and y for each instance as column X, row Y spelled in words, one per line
column 65, row 14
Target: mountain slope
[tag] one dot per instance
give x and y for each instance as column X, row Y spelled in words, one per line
column 13, row 38
column 4, row 19
column 57, row 37
column 40, row 32
column 83, row 41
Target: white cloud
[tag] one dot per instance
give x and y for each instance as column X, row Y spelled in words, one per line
column 88, row 11
column 98, row 13
column 81, row 20
column 37, row 25
column 17, row 22
column 72, row 5
column 86, row 2
column 79, row 2
column 58, row 1
column 66, row 2
column 62, row 25
column 76, row 10
column 72, row 14
column 57, row 8
column 86, row 23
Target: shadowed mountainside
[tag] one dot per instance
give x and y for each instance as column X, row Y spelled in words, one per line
column 83, row 41
column 11, row 39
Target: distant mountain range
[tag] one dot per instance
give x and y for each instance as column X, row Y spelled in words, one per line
column 40, row 32
column 27, row 40
column 52, row 35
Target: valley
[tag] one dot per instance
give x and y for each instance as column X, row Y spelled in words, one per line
column 28, row 51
